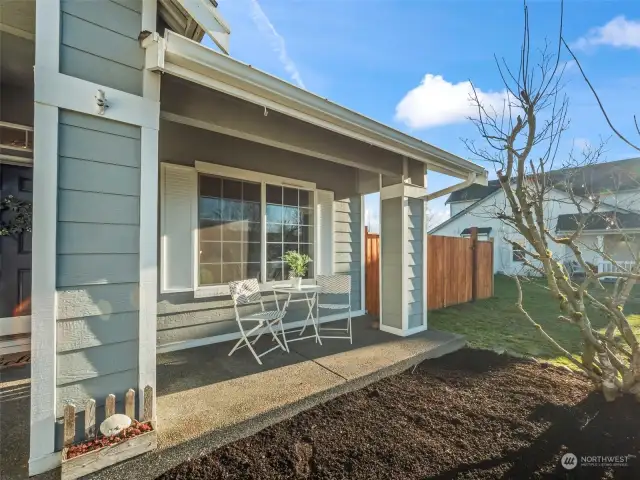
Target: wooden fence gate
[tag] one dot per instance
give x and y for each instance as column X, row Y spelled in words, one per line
column 459, row 270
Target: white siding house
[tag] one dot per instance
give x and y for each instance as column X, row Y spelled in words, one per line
column 613, row 233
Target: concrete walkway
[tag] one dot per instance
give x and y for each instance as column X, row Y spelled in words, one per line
column 207, row 399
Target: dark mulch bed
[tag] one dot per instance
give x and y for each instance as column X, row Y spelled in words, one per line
column 471, row 414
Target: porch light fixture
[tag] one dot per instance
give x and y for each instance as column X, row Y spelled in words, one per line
column 101, row 102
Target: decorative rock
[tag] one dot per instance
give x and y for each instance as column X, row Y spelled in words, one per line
column 114, row 424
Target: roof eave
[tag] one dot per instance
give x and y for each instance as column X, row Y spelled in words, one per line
column 185, row 58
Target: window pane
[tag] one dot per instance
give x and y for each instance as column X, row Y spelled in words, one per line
column 251, row 211
column 306, row 248
column 232, row 189
column 210, row 274
column 210, row 252
column 251, row 270
column 210, row 230
column 210, row 186
column 274, row 213
column 252, row 252
column 290, row 233
column 251, row 191
column 254, row 232
column 274, row 194
column 233, row 231
column 231, row 252
column 231, row 272
column 274, row 252
column 290, row 196
column 306, row 198
column 306, row 234
column 210, row 208
column 274, row 232
column 288, row 247
column 274, row 271
column 230, row 216
column 306, row 215
column 291, row 215
column 232, row 210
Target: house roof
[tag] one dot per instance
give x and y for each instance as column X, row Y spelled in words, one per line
column 474, row 192
column 481, row 231
column 597, row 178
column 601, row 221
column 463, row 212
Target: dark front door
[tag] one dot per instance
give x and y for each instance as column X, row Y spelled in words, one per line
column 15, row 250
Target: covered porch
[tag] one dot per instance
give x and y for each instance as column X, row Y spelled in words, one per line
column 210, row 182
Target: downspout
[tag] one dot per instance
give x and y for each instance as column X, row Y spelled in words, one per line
column 453, row 188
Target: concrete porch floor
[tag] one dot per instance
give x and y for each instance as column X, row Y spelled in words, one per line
column 207, row 399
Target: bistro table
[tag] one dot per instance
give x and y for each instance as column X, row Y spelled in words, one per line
column 310, row 293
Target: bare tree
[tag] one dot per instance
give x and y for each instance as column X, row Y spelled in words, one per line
column 522, row 142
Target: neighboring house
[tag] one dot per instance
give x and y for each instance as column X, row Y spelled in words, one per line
column 163, row 169
column 617, row 184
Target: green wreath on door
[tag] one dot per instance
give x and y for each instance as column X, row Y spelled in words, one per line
column 21, row 221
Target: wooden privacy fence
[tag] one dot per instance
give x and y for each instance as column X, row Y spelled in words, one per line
column 459, row 270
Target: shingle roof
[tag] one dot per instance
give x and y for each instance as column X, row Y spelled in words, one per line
column 596, row 178
column 600, row 221
column 474, row 192
column 481, row 231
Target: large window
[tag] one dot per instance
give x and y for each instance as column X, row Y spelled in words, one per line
column 232, row 216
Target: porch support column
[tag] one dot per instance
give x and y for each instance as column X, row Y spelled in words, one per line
column 403, row 252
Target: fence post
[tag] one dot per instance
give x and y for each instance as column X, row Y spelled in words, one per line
column 474, row 263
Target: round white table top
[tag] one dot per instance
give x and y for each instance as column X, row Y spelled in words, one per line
column 291, row 289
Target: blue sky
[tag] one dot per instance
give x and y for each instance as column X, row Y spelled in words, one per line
column 405, row 62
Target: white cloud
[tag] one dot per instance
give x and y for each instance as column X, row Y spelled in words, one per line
column 436, row 217
column 619, row 32
column 372, row 219
column 437, row 102
column 581, row 143
column 276, row 40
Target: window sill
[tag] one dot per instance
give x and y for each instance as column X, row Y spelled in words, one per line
column 223, row 290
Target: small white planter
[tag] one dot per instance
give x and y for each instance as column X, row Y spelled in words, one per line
column 296, row 282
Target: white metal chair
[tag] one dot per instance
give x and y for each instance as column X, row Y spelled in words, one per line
column 246, row 292
column 335, row 286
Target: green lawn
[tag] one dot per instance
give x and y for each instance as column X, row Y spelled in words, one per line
column 497, row 324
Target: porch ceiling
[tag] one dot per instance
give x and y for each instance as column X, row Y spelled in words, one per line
column 190, row 104
column 196, row 63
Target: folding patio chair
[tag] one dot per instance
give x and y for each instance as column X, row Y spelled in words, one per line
column 338, row 287
column 246, row 292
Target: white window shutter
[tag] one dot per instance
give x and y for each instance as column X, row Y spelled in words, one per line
column 179, row 209
column 325, row 246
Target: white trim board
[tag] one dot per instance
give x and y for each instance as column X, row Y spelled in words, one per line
column 148, row 258
column 15, row 325
column 200, row 342
column 402, row 333
column 43, row 289
column 71, row 93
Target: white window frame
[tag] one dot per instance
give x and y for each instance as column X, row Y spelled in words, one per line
column 251, row 176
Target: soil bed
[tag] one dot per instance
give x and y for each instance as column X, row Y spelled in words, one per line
column 471, row 414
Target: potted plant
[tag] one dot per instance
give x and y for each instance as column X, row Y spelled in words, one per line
column 298, row 264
